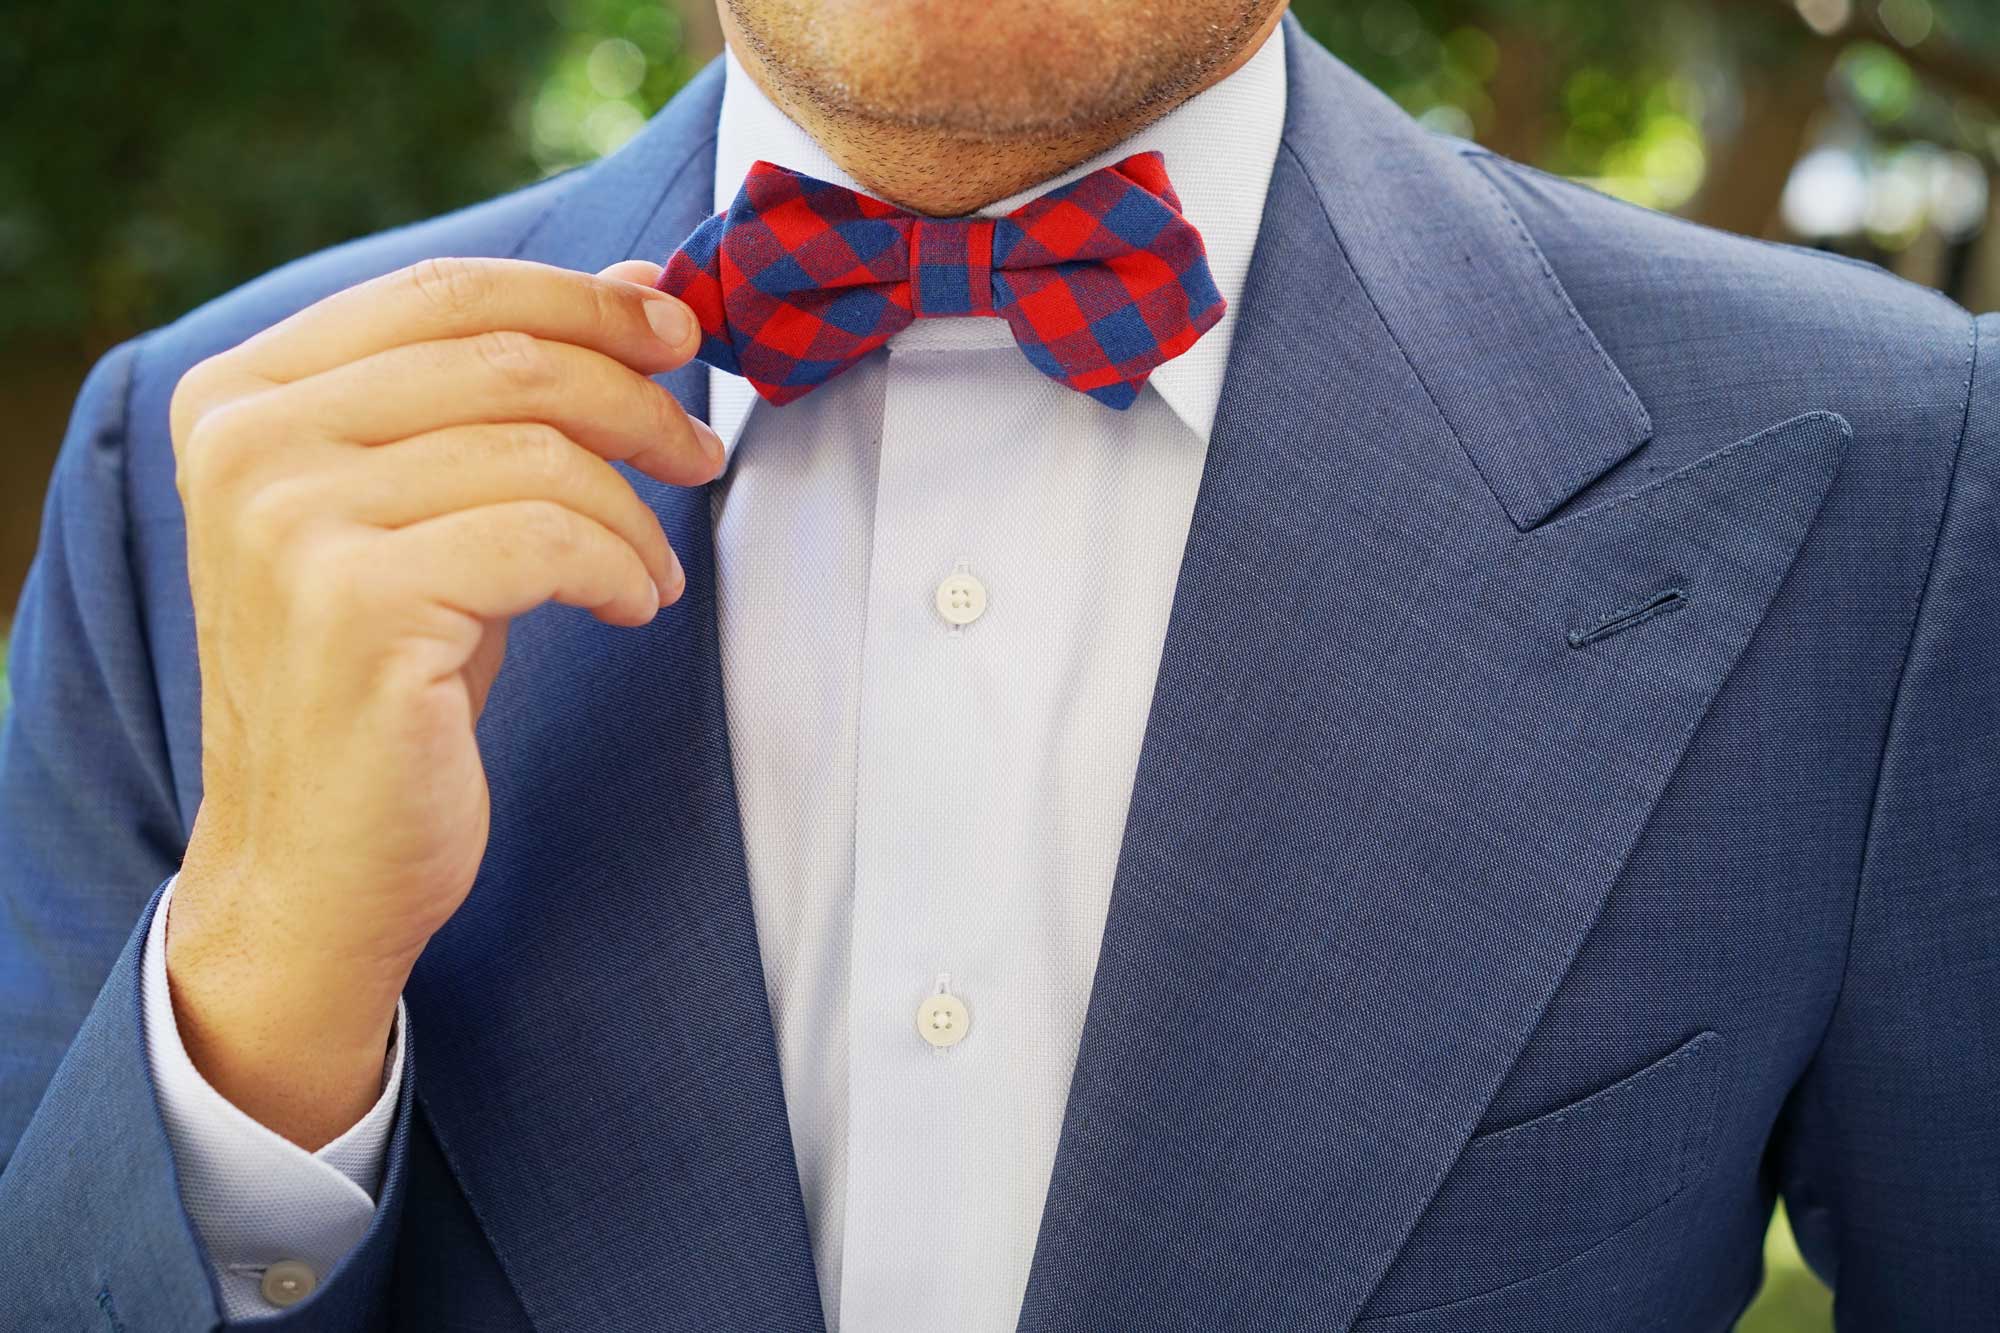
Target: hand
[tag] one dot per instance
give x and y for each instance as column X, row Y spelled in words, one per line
column 373, row 489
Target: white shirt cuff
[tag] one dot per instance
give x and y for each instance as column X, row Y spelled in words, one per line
column 256, row 1198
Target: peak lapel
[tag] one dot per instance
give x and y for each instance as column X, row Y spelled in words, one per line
column 1531, row 396
column 599, row 1064
column 1381, row 796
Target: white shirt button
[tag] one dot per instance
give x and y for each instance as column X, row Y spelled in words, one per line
column 942, row 1019
column 961, row 599
column 288, row 1282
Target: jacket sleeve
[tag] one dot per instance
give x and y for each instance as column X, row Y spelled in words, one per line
column 1889, row 1152
column 93, row 1232
column 89, row 823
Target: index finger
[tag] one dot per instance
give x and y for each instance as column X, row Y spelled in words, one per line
column 433, row 299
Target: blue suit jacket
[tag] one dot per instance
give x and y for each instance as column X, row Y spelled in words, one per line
column 1566, row 819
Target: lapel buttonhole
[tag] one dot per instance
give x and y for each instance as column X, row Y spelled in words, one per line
column 1629, row 617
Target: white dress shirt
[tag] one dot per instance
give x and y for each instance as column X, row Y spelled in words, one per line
column 944, row 582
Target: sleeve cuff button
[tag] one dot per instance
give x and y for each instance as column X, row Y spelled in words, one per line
column 288, row 1282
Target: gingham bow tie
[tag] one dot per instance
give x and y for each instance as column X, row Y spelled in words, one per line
column 1101, row 280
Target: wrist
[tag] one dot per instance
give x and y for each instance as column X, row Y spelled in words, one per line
column 293, row 1036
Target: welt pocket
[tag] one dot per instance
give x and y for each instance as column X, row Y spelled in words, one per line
column 1524, row 1198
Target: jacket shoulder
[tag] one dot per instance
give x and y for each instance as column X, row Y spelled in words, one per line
column 1688, row 311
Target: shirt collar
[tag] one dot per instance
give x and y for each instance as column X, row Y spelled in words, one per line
column 1219, row 147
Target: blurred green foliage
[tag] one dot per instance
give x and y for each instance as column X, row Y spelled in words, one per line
column 155, row 155
column 1605, row 73
column 1793, row 1300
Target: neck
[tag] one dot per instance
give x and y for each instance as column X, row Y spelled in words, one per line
column 941, row 173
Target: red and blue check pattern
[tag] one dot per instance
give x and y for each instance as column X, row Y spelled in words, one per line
column 1102, row 281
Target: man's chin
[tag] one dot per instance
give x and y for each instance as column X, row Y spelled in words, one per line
column 1031, row 69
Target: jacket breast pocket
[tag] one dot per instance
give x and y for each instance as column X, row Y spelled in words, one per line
column 1523, row 1199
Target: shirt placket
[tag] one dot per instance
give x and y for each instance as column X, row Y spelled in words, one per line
column 932, row 894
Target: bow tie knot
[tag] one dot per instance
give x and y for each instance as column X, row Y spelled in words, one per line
column 952, row 259
column 1101, row 281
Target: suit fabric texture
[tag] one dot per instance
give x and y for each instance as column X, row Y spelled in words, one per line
column 1565, row 819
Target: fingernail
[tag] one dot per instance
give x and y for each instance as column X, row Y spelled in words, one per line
column 676, row 578
column 711, row 443
column 670, row 319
